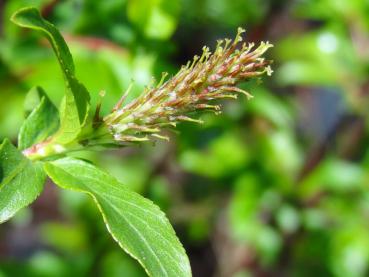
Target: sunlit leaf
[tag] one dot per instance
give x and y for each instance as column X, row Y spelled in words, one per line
column 138, row 225
column 75, row 105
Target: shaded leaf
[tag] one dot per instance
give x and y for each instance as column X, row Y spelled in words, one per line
column 20, row 181
column 41, row 123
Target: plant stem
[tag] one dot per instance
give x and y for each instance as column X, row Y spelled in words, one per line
column 89, row 137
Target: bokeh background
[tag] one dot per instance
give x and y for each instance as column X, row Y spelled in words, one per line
column 275, row 186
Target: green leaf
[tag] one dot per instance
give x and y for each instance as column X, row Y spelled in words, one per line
column 138, row 225
column 21, row 181
column 41, row 123
column 75, row 105
column 32, row 100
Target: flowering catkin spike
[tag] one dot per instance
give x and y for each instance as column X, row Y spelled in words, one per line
column 206, row 78
column 124, row 96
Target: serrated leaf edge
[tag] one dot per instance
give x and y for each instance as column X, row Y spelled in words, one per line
column 106, row 221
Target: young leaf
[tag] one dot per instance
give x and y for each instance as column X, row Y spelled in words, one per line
column 138, row 225
column 21, row 181
column 75, row 105
column 42, row 122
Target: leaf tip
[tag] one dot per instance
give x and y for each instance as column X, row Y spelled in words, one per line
column 21, row 16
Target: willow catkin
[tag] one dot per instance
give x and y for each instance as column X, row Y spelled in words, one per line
column 212, row 76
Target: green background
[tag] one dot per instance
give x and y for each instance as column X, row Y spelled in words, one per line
column 275, row 186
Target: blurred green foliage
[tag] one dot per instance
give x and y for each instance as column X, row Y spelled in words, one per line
column 277, row 185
